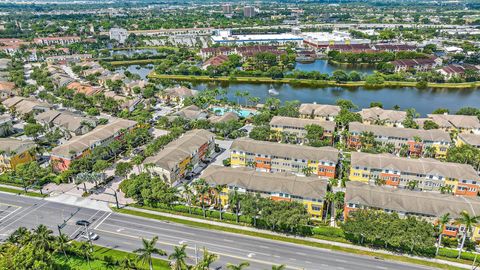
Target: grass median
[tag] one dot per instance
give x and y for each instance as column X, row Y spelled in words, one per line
column 99, row 262
column 308, row 82
column 299, row 241
column 22, row 192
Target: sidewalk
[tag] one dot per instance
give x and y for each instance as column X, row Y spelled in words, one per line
column 338, row 244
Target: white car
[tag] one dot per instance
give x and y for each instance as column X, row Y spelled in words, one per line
column 93, row 236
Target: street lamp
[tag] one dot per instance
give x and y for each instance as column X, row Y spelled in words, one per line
column 116, row 197
column 183, row 242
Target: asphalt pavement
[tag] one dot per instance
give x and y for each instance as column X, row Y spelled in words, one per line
column 124, row 232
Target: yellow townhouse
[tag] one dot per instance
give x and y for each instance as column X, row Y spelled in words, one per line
column 428, row 174
column 425, row 205
column 15, row 152
column 277, row 186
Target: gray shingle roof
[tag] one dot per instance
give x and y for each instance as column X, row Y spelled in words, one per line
column 424, row 166
column 406, row 201
column 375, row 113
column 9, row 145
column 434, row 135
column 180, row 149
column 250, row 179
column 100, row 133
column 319, row 109
column 301, row 122
column 286, row 150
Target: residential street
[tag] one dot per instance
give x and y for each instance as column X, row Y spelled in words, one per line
column 125, row 232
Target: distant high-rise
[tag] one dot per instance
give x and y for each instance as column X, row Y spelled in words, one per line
column 227, row 9
column 248, row 11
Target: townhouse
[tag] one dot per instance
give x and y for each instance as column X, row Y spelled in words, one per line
column 470, row 139
column 455, row 70
column 63, row 155
column 319, row 111
column 297, row 127
column 379, row 116
column 425, row 205
column 454, row 123
column 66, row 121
column 309, row 191
column 422, row 64
column 279, row 157
column 14, row 152
column 428, row 174
column 418, row 141
column 181, row 156
column 22, row 106
column 176, row 95
column 56, row 40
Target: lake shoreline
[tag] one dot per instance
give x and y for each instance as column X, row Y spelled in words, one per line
column 309, row 82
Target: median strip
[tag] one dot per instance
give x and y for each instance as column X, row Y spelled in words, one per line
column 404, row 259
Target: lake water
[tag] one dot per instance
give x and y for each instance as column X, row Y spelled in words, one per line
column 323, row 66
column 131, row 52
column 424, row 101
column 142, row 71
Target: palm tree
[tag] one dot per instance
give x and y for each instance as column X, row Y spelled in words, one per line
column 127, row 264
column 441, row 223
column 178, row 257
column 145, row 253
column 86, row 251
column 218, row 192
column 109, row 262
column 332, row 182
column 62, row 242
column 238, row 94
column 307, row 171
column 240, row 266
column 279, row 267
column 188, row 193
column 412, row 184
column 468, row 221
column 446, row 189
column 202, row 188
column 330, row 199
column 43, row 237
column 207, row 260
column 234, row 199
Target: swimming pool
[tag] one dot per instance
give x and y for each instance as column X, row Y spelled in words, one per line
column 241, row 112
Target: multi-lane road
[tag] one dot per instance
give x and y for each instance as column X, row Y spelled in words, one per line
column 124, row 232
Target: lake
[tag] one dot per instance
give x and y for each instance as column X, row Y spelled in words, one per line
column 132, row 52
column 142, row 71
column 323, row 66
column 423, row 100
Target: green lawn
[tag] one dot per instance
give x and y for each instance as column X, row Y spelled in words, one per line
column 301, row 241
column 97, row 262
column 21, row 192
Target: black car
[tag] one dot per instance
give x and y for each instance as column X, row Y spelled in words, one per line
column 83, row 222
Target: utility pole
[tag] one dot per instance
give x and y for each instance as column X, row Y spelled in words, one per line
column 60, row 227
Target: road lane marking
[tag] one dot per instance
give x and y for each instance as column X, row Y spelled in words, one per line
column 28, row 212
column 100, row 223
column 154, row 227
column 10, row 213
column 192, row 248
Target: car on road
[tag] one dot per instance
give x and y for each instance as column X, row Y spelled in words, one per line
column 83, row 222
column 93, row 236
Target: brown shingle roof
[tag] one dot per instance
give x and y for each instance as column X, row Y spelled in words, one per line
column 375, row 113
column 301, row 122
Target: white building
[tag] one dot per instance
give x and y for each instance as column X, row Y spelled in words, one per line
column 118, row 34
column 335, row 38
column 224, row 37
